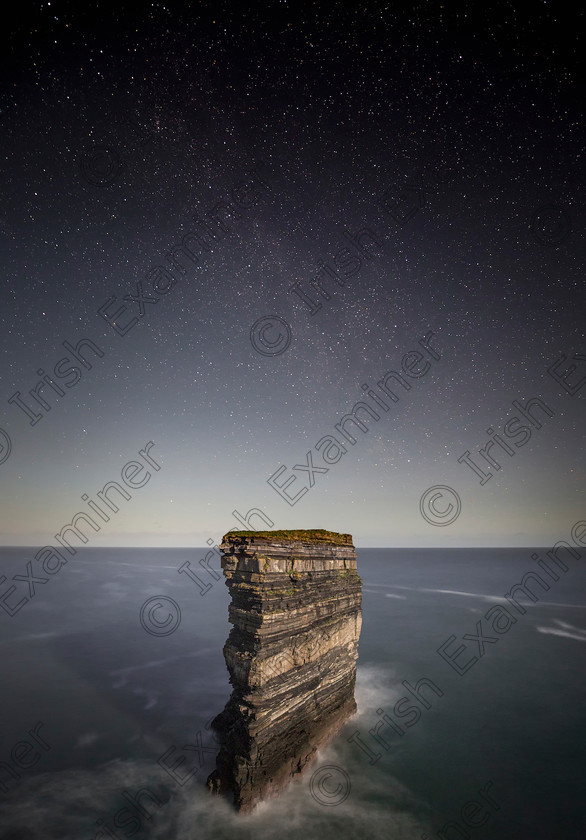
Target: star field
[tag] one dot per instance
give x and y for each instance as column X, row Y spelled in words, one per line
column 453, row 136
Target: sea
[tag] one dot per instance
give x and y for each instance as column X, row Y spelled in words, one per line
column 471, row 706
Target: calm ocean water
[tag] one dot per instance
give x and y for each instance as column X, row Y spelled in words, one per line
column 107, row 701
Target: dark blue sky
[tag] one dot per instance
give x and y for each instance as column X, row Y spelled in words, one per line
column 451, row 139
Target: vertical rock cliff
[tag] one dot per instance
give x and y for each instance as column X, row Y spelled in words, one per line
column 296, row 611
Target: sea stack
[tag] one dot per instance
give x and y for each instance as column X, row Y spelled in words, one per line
column 291, row 655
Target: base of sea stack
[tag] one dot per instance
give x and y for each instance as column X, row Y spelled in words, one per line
column 246, row 779
column 296, row 611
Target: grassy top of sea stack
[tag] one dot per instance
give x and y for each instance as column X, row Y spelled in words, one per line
column 318, row 535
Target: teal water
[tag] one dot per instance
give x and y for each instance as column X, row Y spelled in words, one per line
column 108, row 700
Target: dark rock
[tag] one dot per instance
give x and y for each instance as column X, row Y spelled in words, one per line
column 296, row 611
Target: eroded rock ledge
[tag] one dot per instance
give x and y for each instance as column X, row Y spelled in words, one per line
column 296, row 611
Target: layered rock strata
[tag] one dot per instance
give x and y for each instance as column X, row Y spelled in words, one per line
column 291, row 655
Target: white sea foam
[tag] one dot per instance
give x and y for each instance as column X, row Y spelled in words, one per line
column 565, row 630
column 67, row 805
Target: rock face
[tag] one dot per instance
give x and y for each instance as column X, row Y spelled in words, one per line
column 296, row 611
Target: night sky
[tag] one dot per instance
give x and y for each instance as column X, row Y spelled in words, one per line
column 419, row 173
